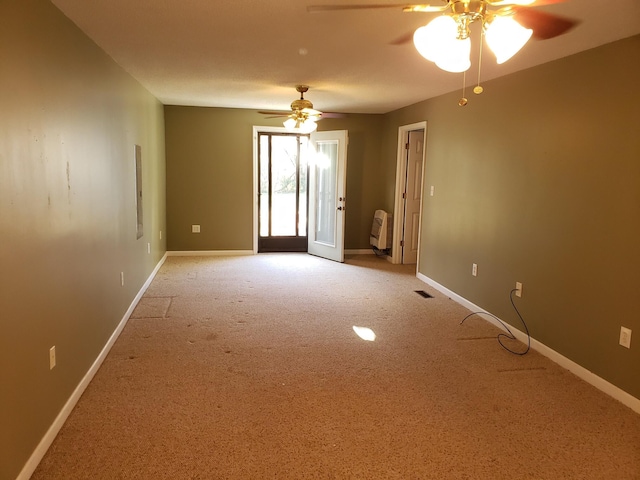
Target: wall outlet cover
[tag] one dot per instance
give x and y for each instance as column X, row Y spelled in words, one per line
column 625, row 337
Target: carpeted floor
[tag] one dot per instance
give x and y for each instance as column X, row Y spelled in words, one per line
column 249, row 368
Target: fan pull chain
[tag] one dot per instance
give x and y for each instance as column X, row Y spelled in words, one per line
column 463, row 101
column 478, row 89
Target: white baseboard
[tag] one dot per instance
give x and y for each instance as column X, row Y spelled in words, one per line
column 600, row 383
column 208, row 253
column 57, row 424
column 227, row 253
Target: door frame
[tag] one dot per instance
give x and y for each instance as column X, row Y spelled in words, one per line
column 256, row 130
column 401, row 174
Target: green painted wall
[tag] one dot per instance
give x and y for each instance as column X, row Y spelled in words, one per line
column 210, row 176
column 70, row 120
column 538, row 181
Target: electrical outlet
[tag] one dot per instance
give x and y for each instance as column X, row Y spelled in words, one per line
column 122, row 279
column 433, row 188
column 160, row 234
column 518, row 289
column 625, row 337
column 195, row 228
column 52, row 357
column 474, row 270
column 148, row 248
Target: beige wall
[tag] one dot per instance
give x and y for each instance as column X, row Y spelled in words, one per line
column 210, row 176
column 70, row 120
column 538, row 181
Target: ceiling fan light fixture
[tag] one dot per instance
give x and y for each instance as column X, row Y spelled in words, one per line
column 301, row 125
column 506, row 37
column 308, row 126
column 290, row 124
column 439, row 42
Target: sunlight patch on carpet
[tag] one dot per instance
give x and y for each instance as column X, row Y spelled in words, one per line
column 365, row 333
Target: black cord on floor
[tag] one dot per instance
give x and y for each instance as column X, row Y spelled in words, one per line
column 510, row 336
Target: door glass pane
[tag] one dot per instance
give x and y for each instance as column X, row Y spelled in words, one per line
column 303, row 193
column 284, row 183
column 325, row 208
column 264, row 185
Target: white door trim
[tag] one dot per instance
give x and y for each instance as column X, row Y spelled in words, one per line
column 401, row 173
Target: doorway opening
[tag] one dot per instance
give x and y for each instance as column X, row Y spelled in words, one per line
column 283, row 192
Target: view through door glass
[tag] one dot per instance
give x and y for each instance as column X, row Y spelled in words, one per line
column 283, row 198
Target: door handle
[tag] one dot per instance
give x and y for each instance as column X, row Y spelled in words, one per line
column 342, row 208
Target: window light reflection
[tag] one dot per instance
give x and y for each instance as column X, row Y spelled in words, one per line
column 365, row 333
column 320, row 160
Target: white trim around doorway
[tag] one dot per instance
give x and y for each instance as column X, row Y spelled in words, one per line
column 401, row 173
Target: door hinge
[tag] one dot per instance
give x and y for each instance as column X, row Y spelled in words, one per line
column 404, row 195
column 402, row 243
column 406, row 146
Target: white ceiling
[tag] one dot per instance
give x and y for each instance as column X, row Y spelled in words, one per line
column 252, row 53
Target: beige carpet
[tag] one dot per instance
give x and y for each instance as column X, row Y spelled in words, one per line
column 249, row 368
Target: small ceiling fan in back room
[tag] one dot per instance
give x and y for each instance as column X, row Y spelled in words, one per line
column 507, row 25
column 302, row 117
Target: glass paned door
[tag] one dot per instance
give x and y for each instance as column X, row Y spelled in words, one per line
column 283, row 192
column 327, row 194
column 326, row 186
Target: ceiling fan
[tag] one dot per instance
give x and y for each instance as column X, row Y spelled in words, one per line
column 507, row 25
column 303, row 116
column 544, row 25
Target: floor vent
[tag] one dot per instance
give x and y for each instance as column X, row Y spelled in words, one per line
column 424, row 294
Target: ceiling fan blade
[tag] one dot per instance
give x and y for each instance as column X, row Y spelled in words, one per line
column 403, row 39
column 523, row 3
column 311, row 111
column 277, row 113
column 544, row 25
column 366, row 6
column 332, row 115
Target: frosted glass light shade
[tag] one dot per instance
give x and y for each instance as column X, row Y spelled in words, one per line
column 429, row 38
column 506, row 37
column 437, row 42
column 308, row 126
column 456, row 56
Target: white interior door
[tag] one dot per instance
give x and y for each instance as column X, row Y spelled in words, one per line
column 413, row 196
column 327, row 194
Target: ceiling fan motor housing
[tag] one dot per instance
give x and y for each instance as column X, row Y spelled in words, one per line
column 301, row 104
column 474, row 8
